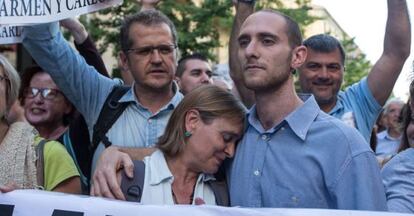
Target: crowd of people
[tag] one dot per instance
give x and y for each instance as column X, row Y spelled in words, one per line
column 183, row 137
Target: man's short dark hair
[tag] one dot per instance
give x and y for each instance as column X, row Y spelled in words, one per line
column 292, row 29
column 146, row 18
column 325, row 43
column 183, row 61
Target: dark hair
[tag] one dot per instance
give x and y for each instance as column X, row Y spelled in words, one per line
column 147, row 18
column 292, row 28
column 405, row 119
column 325, row 43
column 27, row 77
column 211, row 102
column 183, row 61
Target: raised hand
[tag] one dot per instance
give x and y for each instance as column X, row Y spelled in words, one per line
column 148, row 4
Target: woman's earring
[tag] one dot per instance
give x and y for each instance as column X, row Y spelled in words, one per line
column 187, row 134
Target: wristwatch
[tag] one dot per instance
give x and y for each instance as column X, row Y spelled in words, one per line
column 247, row 1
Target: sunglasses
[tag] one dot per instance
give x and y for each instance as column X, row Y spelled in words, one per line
column 45, row 93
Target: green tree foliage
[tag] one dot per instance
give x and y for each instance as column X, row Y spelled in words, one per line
column 356, row 65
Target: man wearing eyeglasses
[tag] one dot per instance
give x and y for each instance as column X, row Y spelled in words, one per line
column 148, row 51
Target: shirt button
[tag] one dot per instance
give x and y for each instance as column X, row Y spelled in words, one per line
column 150, row 121
column 256, row 172
column 264, row 137
column 283, row 128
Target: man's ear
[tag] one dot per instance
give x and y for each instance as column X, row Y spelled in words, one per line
column 123, row 57
column 192, row 119
column 298, row 56
column 178, row 81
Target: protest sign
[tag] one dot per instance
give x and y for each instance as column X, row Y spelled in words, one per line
column 14, row 13
column 18, row 12
column 10, row 34
column 32, row 202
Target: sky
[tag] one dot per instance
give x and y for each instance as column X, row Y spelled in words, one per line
column 365, row 20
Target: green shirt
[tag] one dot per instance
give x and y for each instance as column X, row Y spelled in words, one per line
column 58, row 165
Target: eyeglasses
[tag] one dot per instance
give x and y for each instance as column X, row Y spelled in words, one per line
column 45, row 93
column 163, row 49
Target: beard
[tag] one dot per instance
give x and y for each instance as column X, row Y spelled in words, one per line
column 268, row 83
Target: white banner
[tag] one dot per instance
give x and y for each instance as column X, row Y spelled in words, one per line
column 18, row 12
column 10, row 34
column 32, row 202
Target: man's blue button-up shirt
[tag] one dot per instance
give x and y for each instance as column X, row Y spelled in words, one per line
column 357, row 107
column 309, row 160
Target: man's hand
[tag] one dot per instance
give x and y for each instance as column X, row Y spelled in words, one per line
column 8, row 187
column 148, row 4
column 105, row 181
column 199, row 201
column 76, row 28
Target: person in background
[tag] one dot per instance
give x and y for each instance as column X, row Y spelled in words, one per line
column 398, row 173
column 193, row 71
column 389, row 140
column 48, row 110
column 56, row 118
column 18, row 141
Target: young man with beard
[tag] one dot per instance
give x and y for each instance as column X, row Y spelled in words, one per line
column 323, row 71
column 293, row 154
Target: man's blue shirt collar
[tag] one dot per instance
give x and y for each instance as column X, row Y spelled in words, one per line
column 300, row 120
column 175, row 100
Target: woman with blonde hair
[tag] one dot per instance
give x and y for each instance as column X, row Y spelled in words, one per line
column 19, row 167
column 201, row 133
